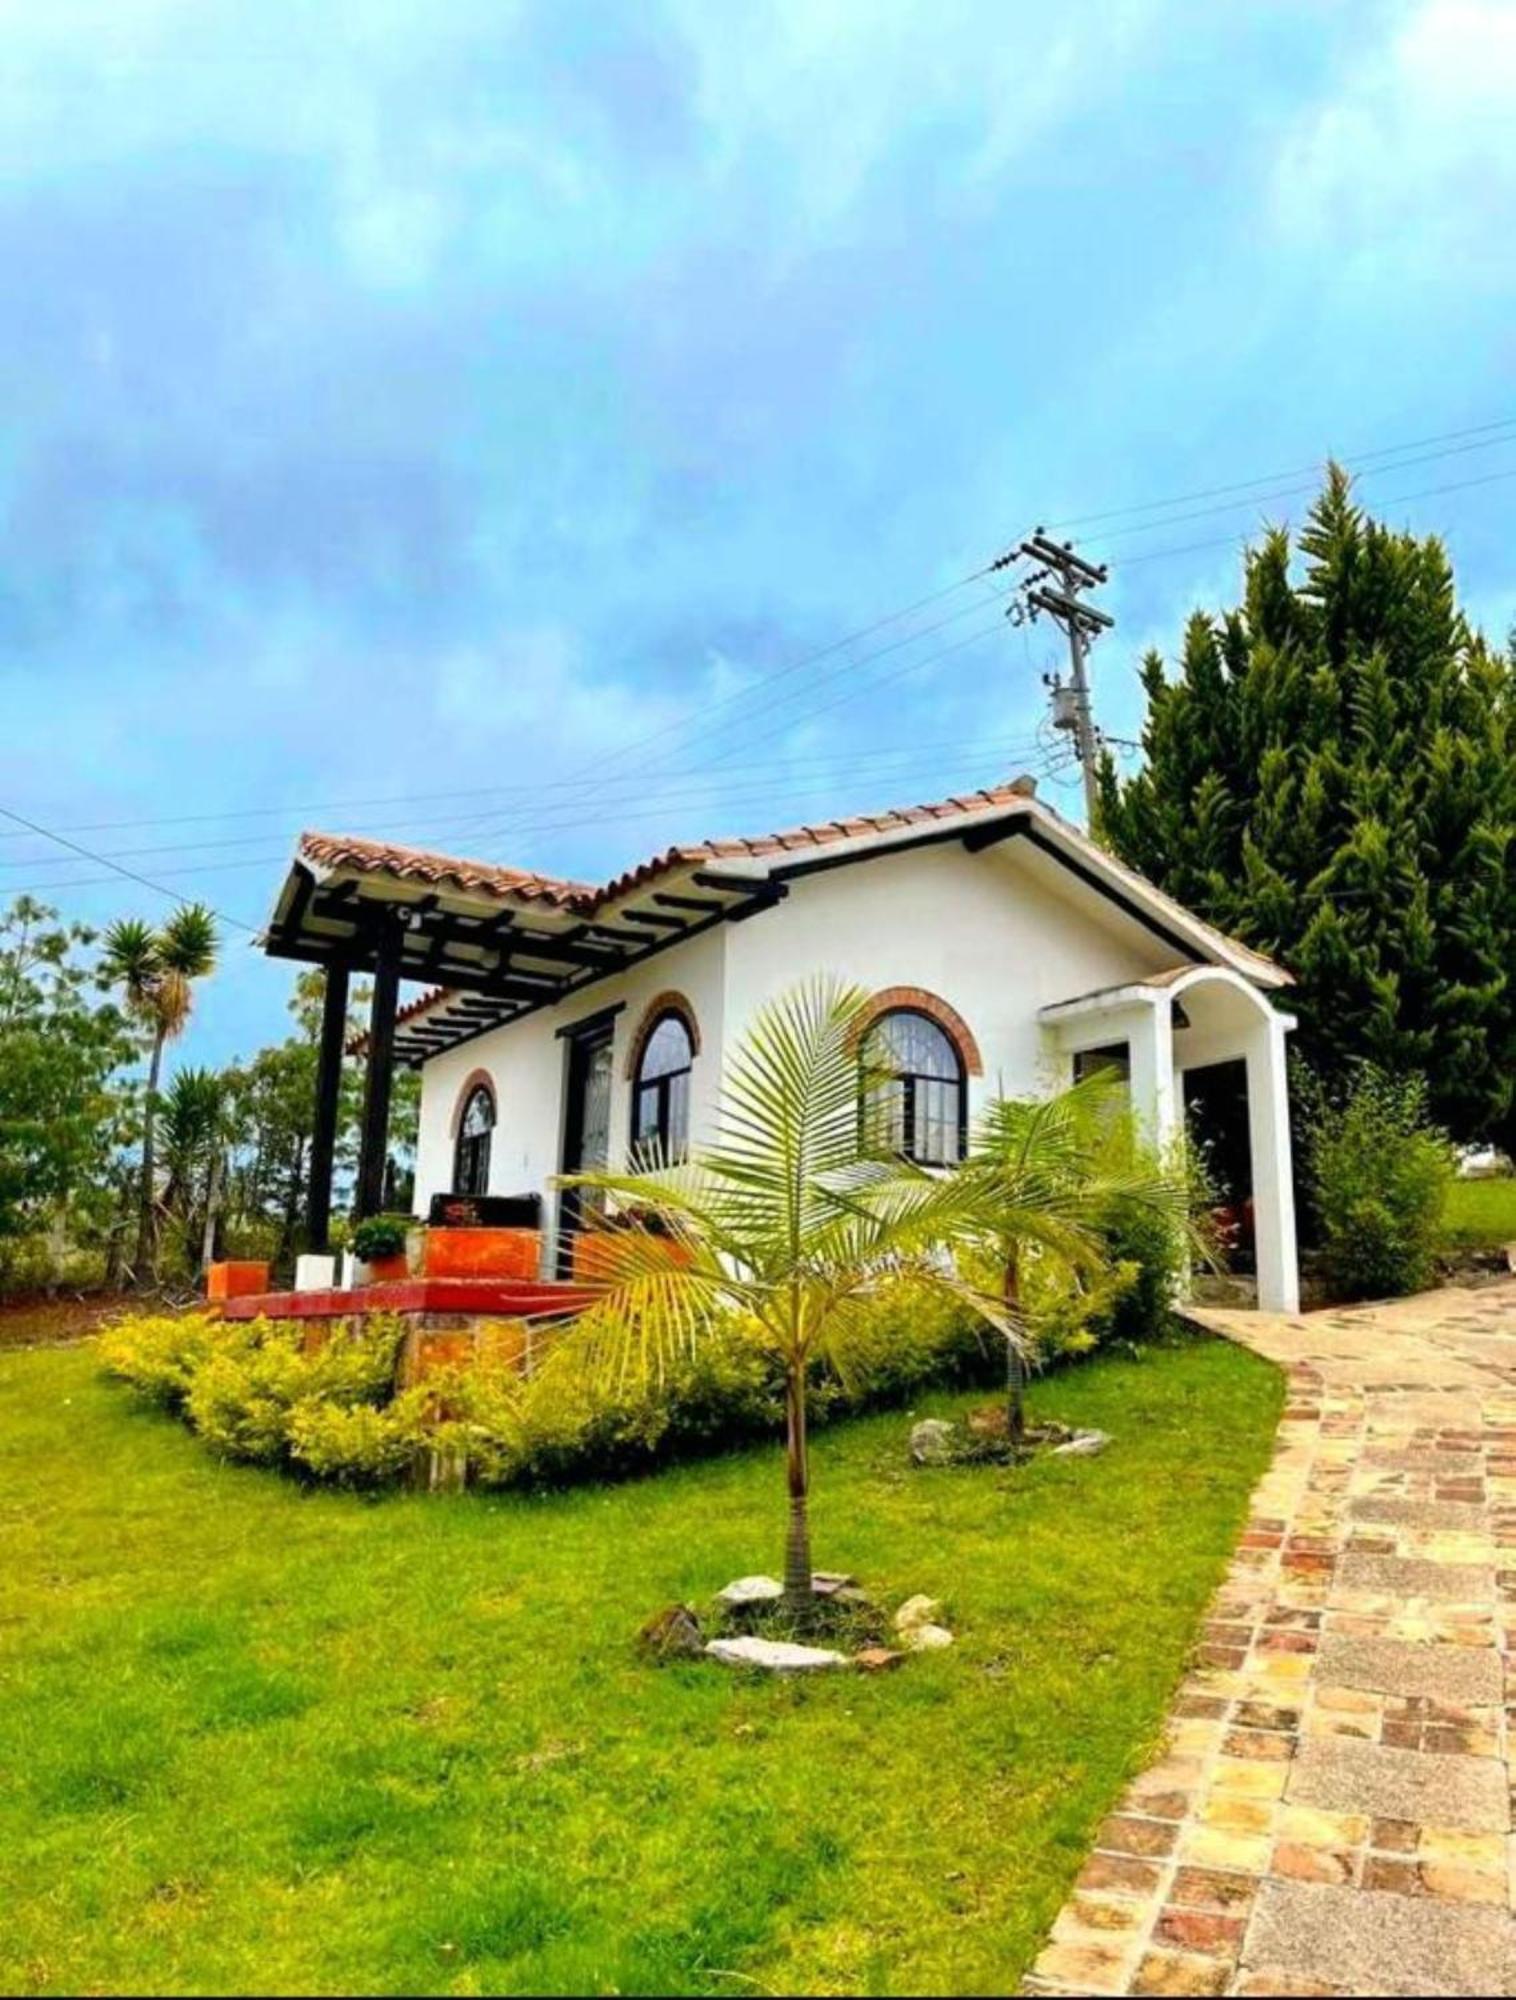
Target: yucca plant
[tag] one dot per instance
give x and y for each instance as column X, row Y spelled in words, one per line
column 786, row 1218
column 1049, row 1175
column 156, row 970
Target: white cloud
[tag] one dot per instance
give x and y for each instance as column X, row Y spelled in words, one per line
column 1415, row 159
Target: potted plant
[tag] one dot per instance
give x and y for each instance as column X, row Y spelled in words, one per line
column 379, row 1245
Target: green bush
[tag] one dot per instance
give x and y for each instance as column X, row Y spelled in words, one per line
column 253, row 1394
column 161, row 1353
column 353, row 1445
column 242, row 1398
column 1378, row 1175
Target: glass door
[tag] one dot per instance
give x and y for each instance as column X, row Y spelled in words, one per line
column 586, row 1132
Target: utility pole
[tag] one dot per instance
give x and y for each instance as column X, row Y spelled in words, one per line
column 1055, row 588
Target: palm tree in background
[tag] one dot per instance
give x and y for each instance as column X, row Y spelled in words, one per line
column 196, row 1128
column 155, row 970
column 789, row 1220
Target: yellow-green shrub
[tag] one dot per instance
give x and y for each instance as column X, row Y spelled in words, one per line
column 161, row 1353
column 241, row 1399
column 253, row 1394
column 355, row 1445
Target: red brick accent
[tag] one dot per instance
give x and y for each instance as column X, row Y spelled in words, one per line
column 919, row 1001
column 661, row 1004
column 477, row 1079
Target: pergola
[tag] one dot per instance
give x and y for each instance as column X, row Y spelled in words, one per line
column 491, row 943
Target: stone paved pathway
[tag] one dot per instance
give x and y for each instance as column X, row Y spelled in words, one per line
column 1333, row 1811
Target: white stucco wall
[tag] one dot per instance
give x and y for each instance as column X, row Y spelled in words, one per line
column 996, row 935
column 986, row 933
column 526, row 1064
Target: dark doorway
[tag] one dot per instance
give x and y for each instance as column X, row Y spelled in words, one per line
column 586, row 1130
column 1216, row 1118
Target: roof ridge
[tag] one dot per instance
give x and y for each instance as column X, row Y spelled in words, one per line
column 423, row 863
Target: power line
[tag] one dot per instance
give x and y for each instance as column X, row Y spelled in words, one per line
column 1312, row 486
column 1047, row 763
column 1239, row 540
column 1268, row 478
column 702, row 784
column 129, row 874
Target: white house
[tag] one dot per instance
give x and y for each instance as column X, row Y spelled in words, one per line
column 1004, row 952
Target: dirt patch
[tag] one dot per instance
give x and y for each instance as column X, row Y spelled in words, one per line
column 40, row 1321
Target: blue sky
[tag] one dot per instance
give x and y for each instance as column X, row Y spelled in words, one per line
column 481, row 401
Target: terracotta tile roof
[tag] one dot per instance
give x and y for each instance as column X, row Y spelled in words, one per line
column 587, row 900
column 584, row 899
column 797, row 839
column 418, row 864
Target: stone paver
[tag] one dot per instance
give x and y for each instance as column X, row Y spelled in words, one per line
column 1332, row 1810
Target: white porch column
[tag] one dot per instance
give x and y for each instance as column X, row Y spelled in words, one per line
column 1273, row 1175
column 1155, row 1100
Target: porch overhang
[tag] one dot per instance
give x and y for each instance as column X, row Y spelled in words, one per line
column 492, row 943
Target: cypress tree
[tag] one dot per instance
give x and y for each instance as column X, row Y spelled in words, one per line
column 1331, row 776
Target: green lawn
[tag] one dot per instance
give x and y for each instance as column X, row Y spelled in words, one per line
column 1480, row 1214
column 257, row 1739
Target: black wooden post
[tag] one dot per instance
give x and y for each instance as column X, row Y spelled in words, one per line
column 318, row 1203
column 374, row 1146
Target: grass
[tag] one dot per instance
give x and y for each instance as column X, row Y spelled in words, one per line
column 1480, row 1214
column 263, row 1739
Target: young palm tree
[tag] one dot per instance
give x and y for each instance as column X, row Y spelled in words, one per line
column 1051, row 1173
column 155, row 970
column 786, row 1219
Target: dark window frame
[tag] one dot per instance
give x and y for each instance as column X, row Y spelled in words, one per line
column 910, row 1082
column 657, row 1092
column 471, row 1150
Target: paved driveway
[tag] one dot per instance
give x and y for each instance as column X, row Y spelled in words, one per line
column 1333, row 1811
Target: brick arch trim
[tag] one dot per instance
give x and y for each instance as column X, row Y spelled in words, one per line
column 670, row 1002
column 477, row 1079
column 918, row 1001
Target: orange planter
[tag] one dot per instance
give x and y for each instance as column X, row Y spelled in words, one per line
column 388, row 1270
column 235, row 1281
column 599, row 1253
column 483, row 1253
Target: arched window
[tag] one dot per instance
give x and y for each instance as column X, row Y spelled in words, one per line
column 661, row 1089
column 921, row 1111
column 471, row 1156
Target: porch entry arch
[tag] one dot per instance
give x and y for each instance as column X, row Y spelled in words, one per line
column 1190, row 1018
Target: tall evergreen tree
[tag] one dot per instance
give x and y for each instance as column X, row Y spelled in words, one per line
column 1331, row 776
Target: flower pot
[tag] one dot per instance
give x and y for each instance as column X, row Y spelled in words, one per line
column 238, row 1279
column 391, row 1270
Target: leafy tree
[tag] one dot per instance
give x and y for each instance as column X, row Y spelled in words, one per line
column 156, row 971
column 59, row 1054
column 272, row 1098
column 1331, row 776
column 785, row 1220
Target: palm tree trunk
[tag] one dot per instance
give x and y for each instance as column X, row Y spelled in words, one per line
column 145, row 1263
column 799, row 1597
column 1015, row 1372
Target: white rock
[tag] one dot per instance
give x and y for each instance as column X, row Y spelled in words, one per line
column 916, row 1611
column 926, row 1638
column 779, row 1656
column 1083, row 1444
column 932, row 1442
column 750, row 1590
